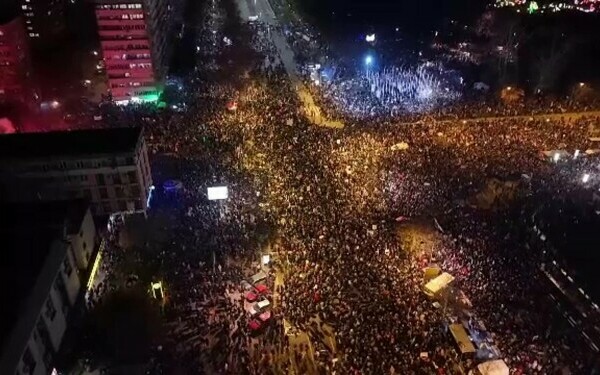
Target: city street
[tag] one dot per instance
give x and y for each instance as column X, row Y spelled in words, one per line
column 345, row 282
column 264, row 12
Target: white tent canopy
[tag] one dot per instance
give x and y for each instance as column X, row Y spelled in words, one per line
column 400, row 146
column 439, row 283
column 495, row 367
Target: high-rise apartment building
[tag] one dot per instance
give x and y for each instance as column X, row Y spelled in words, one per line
column 46, row 249
column 15, row 64
column 45, row 21
column 134, row 39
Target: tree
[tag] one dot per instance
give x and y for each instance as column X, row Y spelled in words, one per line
column 122, row 329
column 549, row 59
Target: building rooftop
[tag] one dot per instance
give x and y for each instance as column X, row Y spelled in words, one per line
column 28, row 231
column 69, row 143
column 8, row 11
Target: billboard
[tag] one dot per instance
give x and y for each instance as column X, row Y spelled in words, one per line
column 217, row 193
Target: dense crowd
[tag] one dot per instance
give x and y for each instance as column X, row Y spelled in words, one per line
column 327, row 202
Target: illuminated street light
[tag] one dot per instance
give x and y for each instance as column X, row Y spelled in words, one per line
column 157, row 290
column 266, row 259
column 369, row 60
column 576, row 154
column 581, row 84
column 370, row 38
column 586, row 178
column 556, row 157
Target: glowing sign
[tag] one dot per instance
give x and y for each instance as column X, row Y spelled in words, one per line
column 217, row 193
column 585, row 178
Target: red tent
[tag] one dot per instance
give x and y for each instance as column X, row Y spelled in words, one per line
column 232, row 105
column 265, row 316
column 262, row 289
column 254, row 325
column 251, row 297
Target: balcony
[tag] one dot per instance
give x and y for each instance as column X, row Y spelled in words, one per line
column 123, row 23
column 132, row 82
column 132, row 74
column 125, row 44
column 122, row 34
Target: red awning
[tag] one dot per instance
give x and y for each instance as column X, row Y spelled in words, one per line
column 265, row 316
column 251, row 297
column 254, row 325
column 262, row 289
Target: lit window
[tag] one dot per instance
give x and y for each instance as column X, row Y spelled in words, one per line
column 24, row 7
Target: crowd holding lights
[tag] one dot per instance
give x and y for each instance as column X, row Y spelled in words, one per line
column 533, row 7
column 378, row 91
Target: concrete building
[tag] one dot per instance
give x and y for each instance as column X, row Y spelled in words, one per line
column 46, row 249
column 109, row 167
column 134, row 36
column 15, row 62
column 45, row 21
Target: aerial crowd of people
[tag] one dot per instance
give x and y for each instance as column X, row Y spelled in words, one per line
column 329, row 204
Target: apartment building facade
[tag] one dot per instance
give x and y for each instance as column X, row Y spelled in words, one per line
column 108, row 167
column 134, row 37
column 45, row 22
column 15, row 63
column 45, row 248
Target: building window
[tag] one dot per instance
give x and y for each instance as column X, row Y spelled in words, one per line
column 138, row 204
column 68, row 267
column 119, row 192
column 106, row 207
column 117, row 179
column 100, row 179
column 132, row 176
column 29, row 363
column 103, row 193
column 135, row 190
column 50, row 309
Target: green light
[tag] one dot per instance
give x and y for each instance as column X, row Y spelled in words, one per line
column 533, row 7
column 150, row 98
